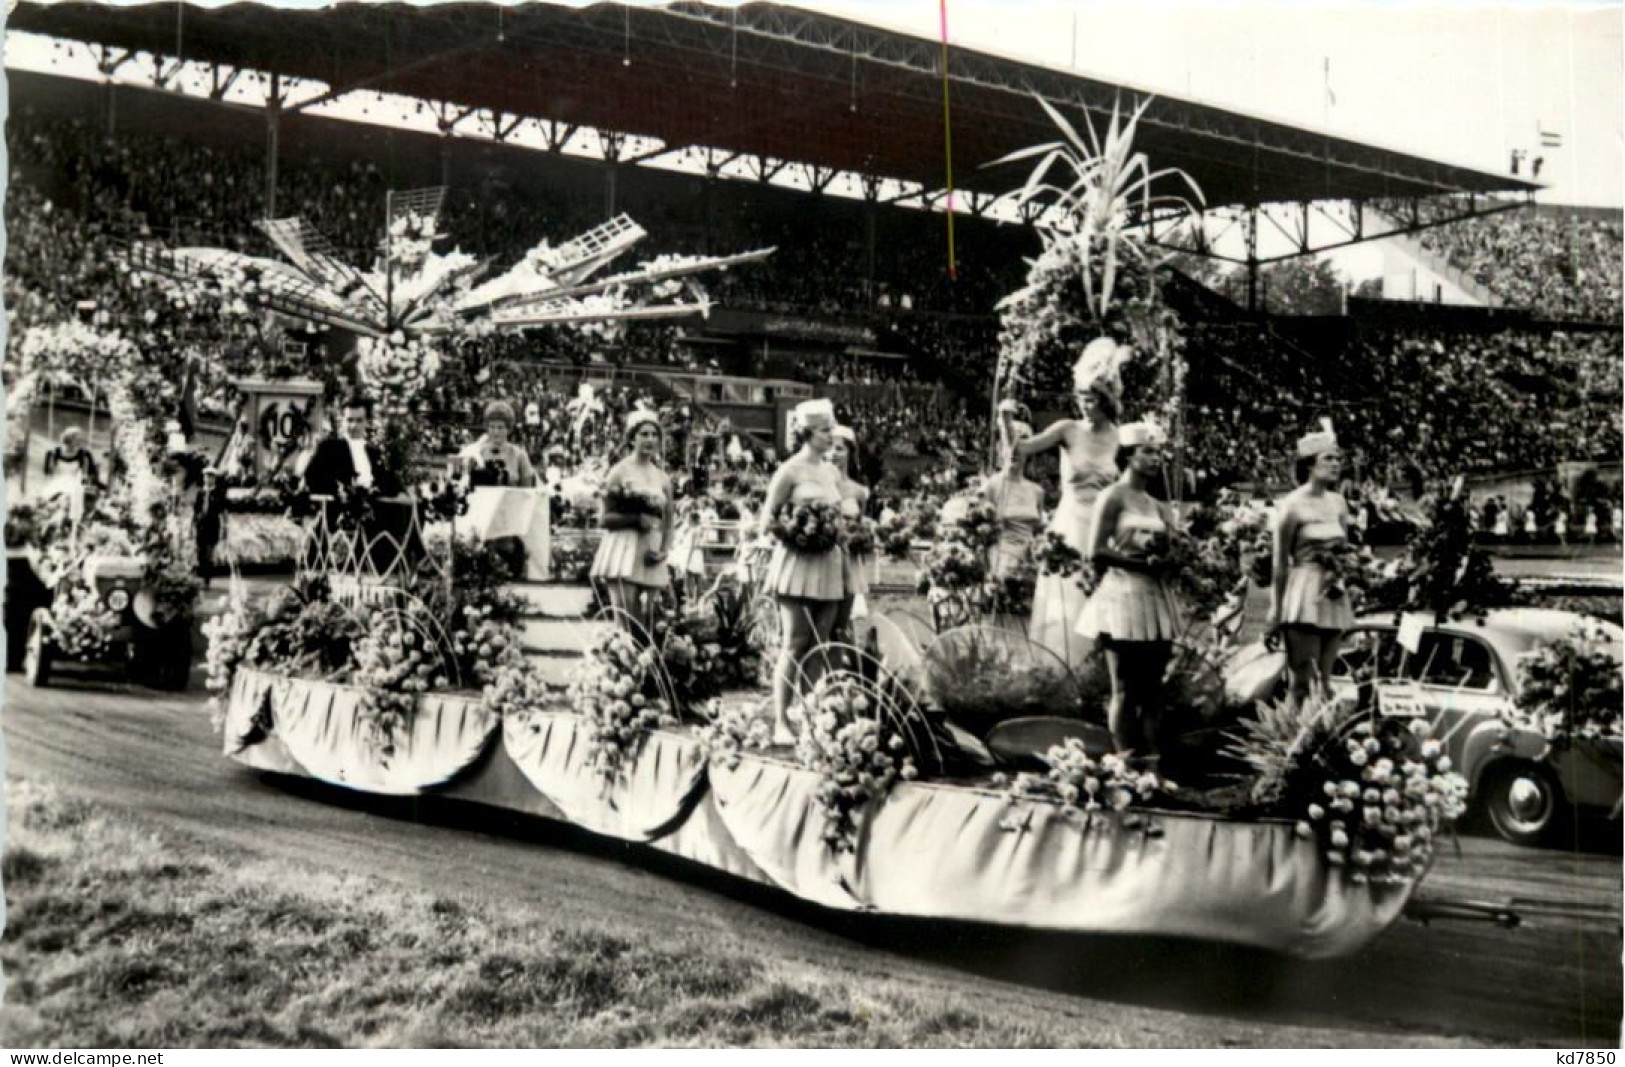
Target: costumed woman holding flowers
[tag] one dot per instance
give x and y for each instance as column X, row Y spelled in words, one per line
column 1309, row 606
column 635, row 513
column 1017, row 501
column 807, row 572
column 1088, row 465
column 1132, row 614
column 860, row 551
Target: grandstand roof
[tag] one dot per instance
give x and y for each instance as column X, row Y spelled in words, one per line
column 766, row 81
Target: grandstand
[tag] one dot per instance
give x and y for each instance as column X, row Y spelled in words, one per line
column 722, row 128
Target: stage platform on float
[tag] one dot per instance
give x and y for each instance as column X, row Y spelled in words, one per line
column 939, row 850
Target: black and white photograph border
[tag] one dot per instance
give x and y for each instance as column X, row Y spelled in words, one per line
column 928, row 524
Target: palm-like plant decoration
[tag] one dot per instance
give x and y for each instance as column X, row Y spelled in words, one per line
column 1109, row 189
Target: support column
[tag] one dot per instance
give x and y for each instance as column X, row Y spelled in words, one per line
column 273, row 122
column 1252, row 258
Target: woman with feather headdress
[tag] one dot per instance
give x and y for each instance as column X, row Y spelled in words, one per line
column 1088, row 465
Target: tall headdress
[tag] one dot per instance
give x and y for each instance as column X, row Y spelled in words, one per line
column 1100, row 368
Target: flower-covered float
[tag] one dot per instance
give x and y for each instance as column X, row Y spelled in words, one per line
column 1302, row 831
column 102, row 577
column 401, row 321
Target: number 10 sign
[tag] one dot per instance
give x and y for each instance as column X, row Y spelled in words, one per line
column 283, row 419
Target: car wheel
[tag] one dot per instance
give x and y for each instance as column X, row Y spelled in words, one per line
column 1524, row 802
column 37, row 651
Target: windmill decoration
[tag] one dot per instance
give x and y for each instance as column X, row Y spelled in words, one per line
column 415, row 302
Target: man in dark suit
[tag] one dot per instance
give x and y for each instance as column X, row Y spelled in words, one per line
column 347, row 459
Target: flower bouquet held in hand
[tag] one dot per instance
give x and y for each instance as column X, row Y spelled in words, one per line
column 861, row 537
column 1344, row 565
column 812, row 526
column 647, row 508
column 1055, row 556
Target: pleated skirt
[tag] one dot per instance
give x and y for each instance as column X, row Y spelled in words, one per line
column 1128, row 606
column 807, row 575
column 620, row 559
column 1305, row 602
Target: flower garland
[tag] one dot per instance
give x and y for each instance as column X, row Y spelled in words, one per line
column 857, row 758
column 1570, row 688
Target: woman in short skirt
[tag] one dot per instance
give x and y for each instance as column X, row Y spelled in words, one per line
column 1132, row 614
column 808, row 586
column 1308, row 519
column 631, row 559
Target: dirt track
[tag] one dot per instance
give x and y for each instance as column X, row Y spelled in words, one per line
column 1556, row 981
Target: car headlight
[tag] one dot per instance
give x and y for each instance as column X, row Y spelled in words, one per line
column 118, row 599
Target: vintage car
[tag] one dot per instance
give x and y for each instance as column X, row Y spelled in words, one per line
column 147, row 649
column 1463, row 678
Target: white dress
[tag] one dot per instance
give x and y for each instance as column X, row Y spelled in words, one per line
column 1058, row 600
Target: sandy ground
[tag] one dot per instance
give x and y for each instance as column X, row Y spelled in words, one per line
column 1554, row 981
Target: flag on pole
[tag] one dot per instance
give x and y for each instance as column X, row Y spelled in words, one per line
column 1331, row 97
column 1549, row 139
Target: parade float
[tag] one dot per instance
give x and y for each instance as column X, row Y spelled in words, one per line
column 1299, row 831
column 102, row 577
column 393, row 326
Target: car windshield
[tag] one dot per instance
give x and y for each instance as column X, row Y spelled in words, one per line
column 1441, row 659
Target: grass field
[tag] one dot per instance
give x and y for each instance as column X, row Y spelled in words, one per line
column 119, row 937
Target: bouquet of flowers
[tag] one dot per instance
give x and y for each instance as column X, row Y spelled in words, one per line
column 812, row 526
column 572, row 558
column 1570, row 688
column 619, row 692
column 736, row 729
column 1346, row 566
column 397, row 659
column 952, row 568
column 1203, row 573
column 622, row 500
column 861, row 537
column 1054, row 556
column 1385, row 789
column 857, row 756
column 896, row 535
column 1082, row 783
column 81, row 626
column 979, row 526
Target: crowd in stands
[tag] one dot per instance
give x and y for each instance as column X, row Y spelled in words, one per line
column 1557, row 265
column 1404, row 400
